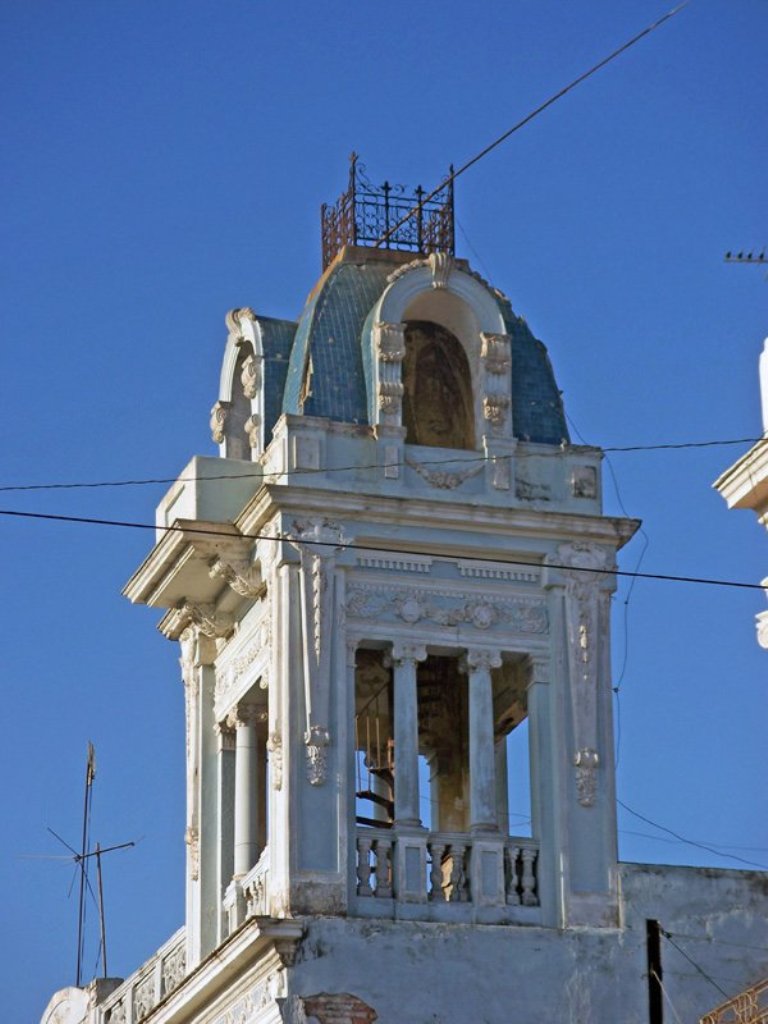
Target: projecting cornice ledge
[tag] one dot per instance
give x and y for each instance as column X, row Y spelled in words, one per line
column 178, row 567
column 256, row 939
column 745, row 483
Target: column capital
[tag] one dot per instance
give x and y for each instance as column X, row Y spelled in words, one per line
column 246, row 713
column 403, row 651
column 479, row 658
column 226, row 735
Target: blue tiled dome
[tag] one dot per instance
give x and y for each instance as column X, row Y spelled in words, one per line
column 328, row 369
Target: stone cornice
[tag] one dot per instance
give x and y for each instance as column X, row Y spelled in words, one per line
column 181, row 555
column 491, row 523
column 252, row 942
column 745, row 483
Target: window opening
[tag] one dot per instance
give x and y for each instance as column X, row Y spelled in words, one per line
column 437, row 388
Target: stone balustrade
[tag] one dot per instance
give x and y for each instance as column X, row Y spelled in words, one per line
column 441, row 868
column 247, row 895
column 142, row 991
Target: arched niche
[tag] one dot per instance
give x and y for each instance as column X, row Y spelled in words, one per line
column 437, row 388
column 237, row 417
column 465, row 318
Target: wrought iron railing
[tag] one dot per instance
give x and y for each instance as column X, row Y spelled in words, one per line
column 388, row 217
column 748, row 1007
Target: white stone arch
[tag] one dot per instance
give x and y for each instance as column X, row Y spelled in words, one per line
column 237, row 418
column 436, row 290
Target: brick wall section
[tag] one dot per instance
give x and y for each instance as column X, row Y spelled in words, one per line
column 338, row 1008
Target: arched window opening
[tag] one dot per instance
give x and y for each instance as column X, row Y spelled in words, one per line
column 437, row 397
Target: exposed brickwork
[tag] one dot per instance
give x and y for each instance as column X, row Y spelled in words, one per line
column 338, row 1008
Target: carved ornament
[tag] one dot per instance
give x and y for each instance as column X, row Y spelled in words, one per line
column 208, row 621
column 495, row 408
column 242, row 577
column 275, row 751
column 252, row 428
column 494, row 351
column 445, row 480
column 586, row 762
column 317, row 542
column 317, row 738
column 250, row 377
column 441, row 266
column 219, row 414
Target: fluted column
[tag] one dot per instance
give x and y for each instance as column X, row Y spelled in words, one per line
column 482, row 767
column 246, row 846
column 406, row 712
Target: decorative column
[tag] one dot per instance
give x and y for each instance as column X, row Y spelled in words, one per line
column 406, row 728
column 482, row 754
column 225, row 816
column 410, row 856
column 246, row 849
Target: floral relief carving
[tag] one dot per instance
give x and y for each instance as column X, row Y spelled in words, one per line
column 317, row 739
column 252, row 429
column 449, row 608
column 206, row 619
column 495, row 409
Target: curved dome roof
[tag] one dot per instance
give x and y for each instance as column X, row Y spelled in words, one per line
column 328, row 369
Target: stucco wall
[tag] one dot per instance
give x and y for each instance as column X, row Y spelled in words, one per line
column 416, row 973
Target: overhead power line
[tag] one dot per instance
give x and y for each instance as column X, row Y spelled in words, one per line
column 529, row 117
column 351, row 546
column 557, row 452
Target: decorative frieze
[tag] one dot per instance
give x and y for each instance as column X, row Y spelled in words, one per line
column 395, row 563
column 446, row 608
column 494, row 571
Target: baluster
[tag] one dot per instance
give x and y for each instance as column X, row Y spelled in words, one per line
column 530, row 897
column 364, row 866
column 383, row 868
column 513, row 895
column 456, row 881
column 436, row 851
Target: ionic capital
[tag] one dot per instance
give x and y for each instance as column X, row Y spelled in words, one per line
column 480, row 659
column 404, row 652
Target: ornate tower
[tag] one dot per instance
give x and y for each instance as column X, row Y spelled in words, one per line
column 397, row 559
column 394, row 575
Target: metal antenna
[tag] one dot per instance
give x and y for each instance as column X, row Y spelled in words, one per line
column 90, row 775
column 81, row 861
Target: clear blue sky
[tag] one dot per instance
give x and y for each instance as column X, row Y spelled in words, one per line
column 165, row 161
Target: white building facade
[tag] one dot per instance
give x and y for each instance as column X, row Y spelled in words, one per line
column 396, row 561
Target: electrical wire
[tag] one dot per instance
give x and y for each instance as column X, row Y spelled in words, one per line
column 693, row 963
column 351, row 546
column 691, row 842
column 719, row 942
column 557, row 452
column 666, row 995
column 529, row 117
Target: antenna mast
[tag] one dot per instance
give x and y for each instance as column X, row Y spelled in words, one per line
column 90, row 775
